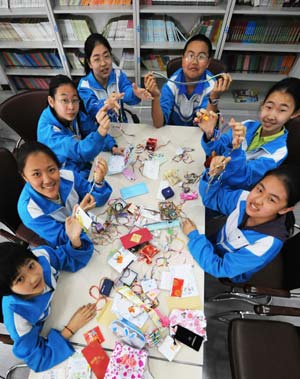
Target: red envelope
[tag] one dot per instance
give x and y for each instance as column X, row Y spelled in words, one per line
column 136, row 238
column 94, row 335
column 97, row 358
column 177, row 287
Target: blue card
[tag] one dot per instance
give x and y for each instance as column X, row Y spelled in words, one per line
column 134, row 190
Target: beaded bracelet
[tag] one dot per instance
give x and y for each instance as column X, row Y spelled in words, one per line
column 69, row 330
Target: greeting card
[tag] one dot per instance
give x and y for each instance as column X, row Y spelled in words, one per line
column 121, row 259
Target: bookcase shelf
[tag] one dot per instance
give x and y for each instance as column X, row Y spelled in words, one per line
column 186, row 17
column 266, row 47
column 126, row 9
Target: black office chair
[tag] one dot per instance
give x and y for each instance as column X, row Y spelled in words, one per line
column 293, row 141
column 215, row 66
column 260, row 349
column 21, row 112
column 278, row 279
column 10, row 190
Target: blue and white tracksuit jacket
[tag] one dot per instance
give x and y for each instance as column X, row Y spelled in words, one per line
column 47, row 218
column 239, row 251
column 177, row 106
column 24, row 318
column 75, row 145
column 246, row 168
column 94, row 95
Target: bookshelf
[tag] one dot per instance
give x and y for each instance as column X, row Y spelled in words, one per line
column 253, row 63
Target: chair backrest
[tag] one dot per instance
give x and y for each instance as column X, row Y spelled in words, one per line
column 260, row 349
column 293, row 141
column 215, row 66
column 21, row 112
column 12, row 184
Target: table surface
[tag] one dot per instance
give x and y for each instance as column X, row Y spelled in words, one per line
column 73, row 288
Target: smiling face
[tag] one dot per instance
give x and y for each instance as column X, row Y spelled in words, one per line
column 65, row 102
column 43, row 174
column 100, row 63
column 267, row 200
column 275, row 112
column 29, row 280
column 195, row 60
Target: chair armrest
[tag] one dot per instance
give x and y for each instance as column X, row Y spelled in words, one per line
column 12, row 238
column 275, row 310
column 5, row 338
column 248, row 288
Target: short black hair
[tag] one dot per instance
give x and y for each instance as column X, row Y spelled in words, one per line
column 12, row 257
column 57, row 81
column 202, row 38
column 33, row 147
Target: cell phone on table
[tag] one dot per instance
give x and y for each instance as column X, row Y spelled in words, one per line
column 188, row 337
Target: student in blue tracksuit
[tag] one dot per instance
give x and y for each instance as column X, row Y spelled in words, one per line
column 255, row 147
column 177, row 103
column 74, row 137
column 104, row 84
column 50, row 194
column 258, row 223
column 27, row 283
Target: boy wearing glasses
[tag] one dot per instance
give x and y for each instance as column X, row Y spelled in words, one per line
column 177, row 104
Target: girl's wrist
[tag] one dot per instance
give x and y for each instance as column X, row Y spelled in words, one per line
column 76, row 244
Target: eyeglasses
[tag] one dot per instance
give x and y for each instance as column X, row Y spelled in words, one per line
column 190, row 57
column 98, row 58
column 67, row 101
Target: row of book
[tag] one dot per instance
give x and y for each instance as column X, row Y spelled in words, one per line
column 269, row 3
column 156, row 62
column 264, row 31
column 211, row 28
column 119, row 29
column 161, row 30
column 26, row 3
column 26, row 30
column 31, row 59
column 74, row 29
column 266, row 63
column 23, row 82
column 70, row 3
column 179, row 2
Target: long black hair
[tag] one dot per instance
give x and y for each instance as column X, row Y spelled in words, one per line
column 89, row 45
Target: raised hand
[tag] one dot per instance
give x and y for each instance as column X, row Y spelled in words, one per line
column 73, row 229
column 218, row 164
column 103, row 121
column 238, row 133
column 100, row 170
column 221, row 85
column 112, row 102
column 88, row 202
column 141, row 93
column 151, row 85
column 207, row 121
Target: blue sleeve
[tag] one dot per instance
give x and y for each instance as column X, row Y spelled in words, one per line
column 167, row 101
column 125, row 86
column 101, row 192
column 66, row 258
column 218, row 197
column 232, row 264
column 88, row 126
column 45, row 226
column 222, row 146
column 41, row 353
column 91, row 102
column 243, row 173
column 67, row 146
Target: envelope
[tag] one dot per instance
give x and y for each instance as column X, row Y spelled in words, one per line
column 136, row 238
